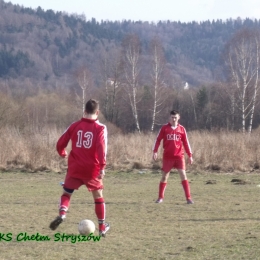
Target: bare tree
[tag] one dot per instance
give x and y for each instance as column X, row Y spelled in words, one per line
column 194, row 107
column 83, row 77
column 131, row 49
column 104, row 71
column 227, row 95
column 111, row 72
column 157, row 75
column 242, row 59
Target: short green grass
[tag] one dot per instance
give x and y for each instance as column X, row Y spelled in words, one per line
column 224, row 222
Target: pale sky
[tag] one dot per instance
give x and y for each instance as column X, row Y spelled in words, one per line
column 151, row 10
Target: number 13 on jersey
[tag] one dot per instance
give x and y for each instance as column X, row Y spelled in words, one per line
column 84, row 139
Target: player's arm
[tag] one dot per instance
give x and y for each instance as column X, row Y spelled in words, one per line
column 187, row 147
column 101, row 174
column 157, row 144
column 102, row 151
column 62, row 143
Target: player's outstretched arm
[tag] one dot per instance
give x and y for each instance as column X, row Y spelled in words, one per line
column 64, row 153
column 62, row 144
column 190, row 160
column 101, row 147
column 101, row 174
column 63, row 141
column 157, row 143
column 186, row 145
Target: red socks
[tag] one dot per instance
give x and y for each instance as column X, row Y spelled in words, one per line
column 100, row 209
column 162, row 187
column 64, row 203
column 186, row 187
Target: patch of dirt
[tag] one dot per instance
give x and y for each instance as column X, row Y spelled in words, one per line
column 240, row 182
column 211, row 182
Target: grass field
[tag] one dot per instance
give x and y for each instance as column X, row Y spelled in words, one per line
column 224, row 222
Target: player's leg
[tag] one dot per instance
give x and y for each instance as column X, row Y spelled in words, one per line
column 65, row 202
column 100, row 210
column 162, row 186
column 166, row 168
column 69, row 186
column 63, row 208
column 96, row 187
column 185, row 185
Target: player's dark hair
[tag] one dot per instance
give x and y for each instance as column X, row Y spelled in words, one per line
column 91, row 106
column 174, row 112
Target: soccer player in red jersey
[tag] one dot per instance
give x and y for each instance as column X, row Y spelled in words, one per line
column 174, row 139
column 86, row 163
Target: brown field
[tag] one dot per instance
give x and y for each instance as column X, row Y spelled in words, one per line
column 224, row 222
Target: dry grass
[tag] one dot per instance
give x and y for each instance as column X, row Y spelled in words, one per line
column 30, row 151
column 219, row 151
column 223, row 223
column 226, row 151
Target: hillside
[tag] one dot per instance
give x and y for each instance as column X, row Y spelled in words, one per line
column 49, row 46
column 50, row 60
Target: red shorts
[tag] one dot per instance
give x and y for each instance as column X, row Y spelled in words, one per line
column 173, row 163
column 91, row 184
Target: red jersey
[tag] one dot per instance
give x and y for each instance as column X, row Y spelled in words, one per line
column 89, row 147
column 174, row 139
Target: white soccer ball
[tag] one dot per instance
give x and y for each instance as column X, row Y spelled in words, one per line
column 86, row 227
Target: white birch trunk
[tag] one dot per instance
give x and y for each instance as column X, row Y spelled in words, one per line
column 131, row 76
column 256, row 87
column 243, row 60
column 83, row 81
column 158, row 65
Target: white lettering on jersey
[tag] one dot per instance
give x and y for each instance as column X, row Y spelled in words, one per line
column 85, row 139
column 79, row 141
column 87, row 143
column 173, row 137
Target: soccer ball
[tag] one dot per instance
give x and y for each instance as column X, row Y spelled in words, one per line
column 86, row 227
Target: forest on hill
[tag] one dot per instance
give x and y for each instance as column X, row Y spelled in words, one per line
column 51, row 62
